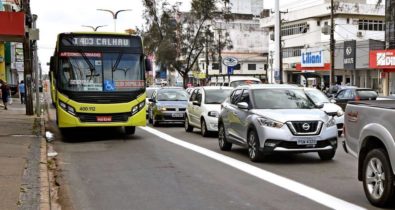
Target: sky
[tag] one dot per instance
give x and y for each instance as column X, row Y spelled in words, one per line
column 57, row 16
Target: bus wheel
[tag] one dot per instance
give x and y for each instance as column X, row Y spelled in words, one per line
column 130, row 130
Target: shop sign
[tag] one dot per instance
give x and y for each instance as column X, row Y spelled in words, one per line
column 382, row 59
column 230, row 61
column 349, row 54
column 312, row 57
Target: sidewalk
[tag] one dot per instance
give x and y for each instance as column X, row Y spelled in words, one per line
column 19, row 159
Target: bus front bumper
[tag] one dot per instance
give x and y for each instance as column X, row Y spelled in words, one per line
column 68, row 120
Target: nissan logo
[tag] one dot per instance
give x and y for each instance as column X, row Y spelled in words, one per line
column 306, row 126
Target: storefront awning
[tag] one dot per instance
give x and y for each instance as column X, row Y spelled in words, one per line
column 12, row 26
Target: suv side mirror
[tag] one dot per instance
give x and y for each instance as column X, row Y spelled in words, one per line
column 151, row 100
column 242, row 105
column 319, row 105
column 333, row 101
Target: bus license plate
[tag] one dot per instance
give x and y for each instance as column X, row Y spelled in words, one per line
column 103, row 118
column 307, row 142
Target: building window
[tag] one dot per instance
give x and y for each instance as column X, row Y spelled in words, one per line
column 294, row 29
column 252, row 66
column 215, row 66
column 237, row 67
column 292, row 52
column 371, row 25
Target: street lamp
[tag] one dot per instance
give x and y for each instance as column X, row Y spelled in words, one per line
column 94, row 28
column 114, row 15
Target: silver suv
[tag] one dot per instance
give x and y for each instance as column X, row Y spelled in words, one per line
column 276, row 118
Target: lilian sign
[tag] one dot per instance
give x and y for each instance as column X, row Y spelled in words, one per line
column 312, row 57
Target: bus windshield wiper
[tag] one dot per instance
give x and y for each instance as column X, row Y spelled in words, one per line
column 117, row 62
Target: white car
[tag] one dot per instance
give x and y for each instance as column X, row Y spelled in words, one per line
column 204, row 107
column 234, row 81
column 319, row 97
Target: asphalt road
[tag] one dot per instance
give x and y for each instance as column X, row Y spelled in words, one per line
column 104, row 169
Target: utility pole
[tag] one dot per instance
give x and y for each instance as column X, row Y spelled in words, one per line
column 27, row 57
column 219, row 47
column 277, row 33
column 332, row 47
column 207, row 77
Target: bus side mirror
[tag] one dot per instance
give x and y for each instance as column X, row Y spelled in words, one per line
column 148, row 64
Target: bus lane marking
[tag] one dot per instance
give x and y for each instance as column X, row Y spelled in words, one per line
column 285, row 183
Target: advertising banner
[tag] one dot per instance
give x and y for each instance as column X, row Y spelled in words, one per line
column 349, row 54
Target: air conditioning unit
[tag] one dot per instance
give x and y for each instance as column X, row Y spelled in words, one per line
column 272, row 36
column 360, row 34
column 326, row 29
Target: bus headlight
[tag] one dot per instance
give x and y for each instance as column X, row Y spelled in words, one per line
column 69, row 109
column 138, row 107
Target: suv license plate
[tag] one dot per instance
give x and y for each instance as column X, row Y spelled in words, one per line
column 307, row 142
column 177, row 115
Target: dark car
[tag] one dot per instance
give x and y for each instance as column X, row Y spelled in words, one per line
column 168, row 105
column 354, row 94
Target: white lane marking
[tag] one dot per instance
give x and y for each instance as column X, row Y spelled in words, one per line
column 288, row 184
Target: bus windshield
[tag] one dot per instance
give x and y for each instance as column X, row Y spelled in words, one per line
column 101, row 71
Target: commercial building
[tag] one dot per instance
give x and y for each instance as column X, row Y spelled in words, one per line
column 305, row 32
column 248, row 40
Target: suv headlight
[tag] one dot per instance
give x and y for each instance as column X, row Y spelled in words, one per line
column 269, row 123
column 331, row 122
column 213, row 114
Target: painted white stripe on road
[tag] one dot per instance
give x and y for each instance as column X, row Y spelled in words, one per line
column 288, row 184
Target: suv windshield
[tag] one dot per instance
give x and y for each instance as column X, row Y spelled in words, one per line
column 216, row 96
column 281, row 99
column 317, row 96
column 243, row 82
column 172, row 95
column 110, row 72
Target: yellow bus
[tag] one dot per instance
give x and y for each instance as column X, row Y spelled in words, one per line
column 98, row 80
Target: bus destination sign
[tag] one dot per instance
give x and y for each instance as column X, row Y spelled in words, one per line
column 101, row 42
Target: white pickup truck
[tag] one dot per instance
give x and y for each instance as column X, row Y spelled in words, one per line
column 369, row 129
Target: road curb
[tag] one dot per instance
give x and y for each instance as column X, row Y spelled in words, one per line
column 45, row 201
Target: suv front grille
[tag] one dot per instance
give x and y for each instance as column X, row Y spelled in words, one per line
column 305, row 128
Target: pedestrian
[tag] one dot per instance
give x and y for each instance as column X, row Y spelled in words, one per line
column 5, row 93
column 21, row 88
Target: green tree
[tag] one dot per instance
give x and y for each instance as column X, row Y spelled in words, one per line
column 178, row 39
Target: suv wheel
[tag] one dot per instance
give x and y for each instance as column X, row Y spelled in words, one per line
column 188, row 127
column 378, row 180
column 253, row 147
column 224, row 145
column 203, row 128
column 327, row 155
